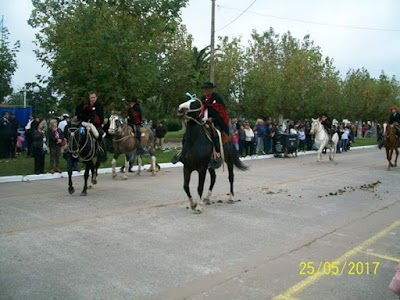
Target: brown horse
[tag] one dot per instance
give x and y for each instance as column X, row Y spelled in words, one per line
column 125, row 142
column 391, row 143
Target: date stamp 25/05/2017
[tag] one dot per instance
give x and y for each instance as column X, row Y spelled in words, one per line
column 352, row 268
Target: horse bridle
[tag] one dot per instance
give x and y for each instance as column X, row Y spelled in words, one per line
column 186, row 116
column 121, row 123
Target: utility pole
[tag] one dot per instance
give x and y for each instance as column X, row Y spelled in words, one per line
column 212, row 45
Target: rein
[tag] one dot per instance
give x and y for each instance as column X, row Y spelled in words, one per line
column 123, row 138
column 75, row 136
column 126, row 132
column 202, row 124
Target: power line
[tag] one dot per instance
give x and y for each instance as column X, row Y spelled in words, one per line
column 237, row 16
column 306, row 21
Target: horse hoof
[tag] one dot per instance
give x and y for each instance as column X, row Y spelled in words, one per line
column 71, row 190
column 207, row 201
column 114, row 175
column 193, row 206
column 83, row 194
column 198, row 210
column 125, row 177
column 153, row 174
column 231, row 201
column 94, row 181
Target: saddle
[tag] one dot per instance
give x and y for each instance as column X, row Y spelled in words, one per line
column 211, row 131
column 144, row 135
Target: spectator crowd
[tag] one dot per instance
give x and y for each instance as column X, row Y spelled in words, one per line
column 250, row 138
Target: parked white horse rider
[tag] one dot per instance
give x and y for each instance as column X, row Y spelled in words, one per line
column 322, row 139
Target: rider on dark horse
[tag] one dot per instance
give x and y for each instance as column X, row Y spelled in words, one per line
column 215, row 112
column 92, row 112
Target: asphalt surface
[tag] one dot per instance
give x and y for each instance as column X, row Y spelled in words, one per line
column 299, row 230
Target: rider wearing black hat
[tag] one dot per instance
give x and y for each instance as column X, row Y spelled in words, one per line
column 214, row 107
column 213, row 110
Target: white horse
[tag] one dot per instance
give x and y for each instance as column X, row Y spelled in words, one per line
column 322, row 139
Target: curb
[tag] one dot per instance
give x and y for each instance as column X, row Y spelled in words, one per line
column 27, row 178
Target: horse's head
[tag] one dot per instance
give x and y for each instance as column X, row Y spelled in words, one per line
column 191, row 107
column 116, row 123
column 315, row 123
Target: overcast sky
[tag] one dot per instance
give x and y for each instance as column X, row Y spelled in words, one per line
column 355, row 33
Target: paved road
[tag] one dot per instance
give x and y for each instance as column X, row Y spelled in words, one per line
column 301, row 230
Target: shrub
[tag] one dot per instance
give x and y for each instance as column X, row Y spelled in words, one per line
column 173, row 124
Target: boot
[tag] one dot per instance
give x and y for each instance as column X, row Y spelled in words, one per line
column 216, row 160
column 177, row 157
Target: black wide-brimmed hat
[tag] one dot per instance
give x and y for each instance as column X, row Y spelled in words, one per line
column 207, row 85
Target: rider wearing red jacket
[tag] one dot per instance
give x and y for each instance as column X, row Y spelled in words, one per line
column 214, row 108
column 135, row 117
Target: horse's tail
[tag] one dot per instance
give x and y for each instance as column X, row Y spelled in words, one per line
column 235, row 157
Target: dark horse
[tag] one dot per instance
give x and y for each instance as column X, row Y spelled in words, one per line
column 197, row 151
column 82, row 146
column 391, row 143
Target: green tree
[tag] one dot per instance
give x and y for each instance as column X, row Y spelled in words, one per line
column 114, row 47
column 229, row 72
column 178, row 73
column 8, row 63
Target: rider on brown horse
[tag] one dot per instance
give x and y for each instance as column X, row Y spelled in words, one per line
column 394, row 119
column 135, row 118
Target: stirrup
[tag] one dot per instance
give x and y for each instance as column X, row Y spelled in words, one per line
column 177, row 157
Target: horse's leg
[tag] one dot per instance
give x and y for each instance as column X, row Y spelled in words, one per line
column 332, row 152
column 213, row 176
column 126, row 170
column 113, row 164
column 388, row 157
column 94, row 168
column 319, row 153
column 186, row 181
column 397, row 155
column 153, row 164
column 85, row 177
column 139, row 162
column 200, row 187
column 231, row 199
column 71, row 189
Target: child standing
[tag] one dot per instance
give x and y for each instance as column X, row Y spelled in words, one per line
column 235, row 139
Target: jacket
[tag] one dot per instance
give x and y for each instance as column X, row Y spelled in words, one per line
column 216, row 110
column 135, row 114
